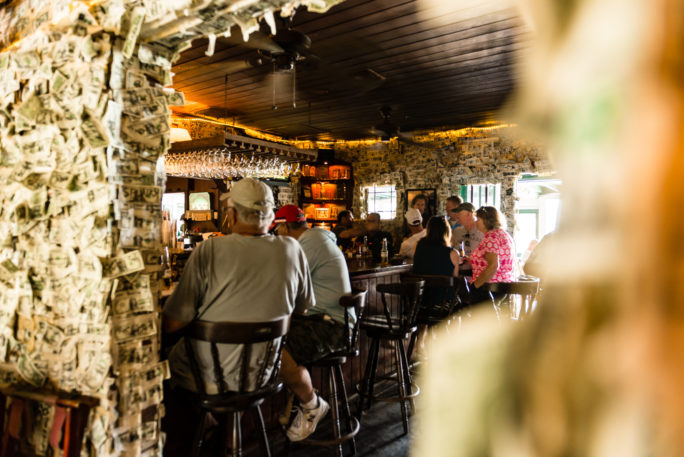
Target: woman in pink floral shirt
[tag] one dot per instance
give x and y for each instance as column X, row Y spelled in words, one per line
column 493, row 259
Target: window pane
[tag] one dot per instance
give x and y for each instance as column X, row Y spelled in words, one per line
column 382, row 200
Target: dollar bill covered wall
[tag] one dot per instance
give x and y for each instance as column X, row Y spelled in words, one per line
column 84, row 123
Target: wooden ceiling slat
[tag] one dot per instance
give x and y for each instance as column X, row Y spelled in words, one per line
column 441, row 69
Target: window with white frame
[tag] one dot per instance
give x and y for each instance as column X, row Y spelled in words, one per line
column 381, row 200
column 482, row 195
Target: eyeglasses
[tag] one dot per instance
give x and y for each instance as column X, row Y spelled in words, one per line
column 454, row 210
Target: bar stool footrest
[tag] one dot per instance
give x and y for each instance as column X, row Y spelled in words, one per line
column 355, row 430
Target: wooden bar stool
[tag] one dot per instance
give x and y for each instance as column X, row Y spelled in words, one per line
column 245, row 334
column 440, row 301
column 332, row 365
column 515, row 300
column 394, row 328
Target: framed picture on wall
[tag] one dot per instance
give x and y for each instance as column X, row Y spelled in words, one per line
column 430, row 204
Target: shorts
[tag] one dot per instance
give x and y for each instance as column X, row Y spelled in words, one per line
column 313, row 337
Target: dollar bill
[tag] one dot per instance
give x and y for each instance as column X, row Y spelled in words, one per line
column 136, row 353
column 30, row 108
column 156, row 108
column 132, row 302
column 132, row 97
column 126, row 264
column 144, row 128
column 140, row 238
column 135, row 327
column 140, row 194
column 174, row 98
column 135, row 24
column 157, row 55
column 28, row 60
column 29, row 372
column 93, row 131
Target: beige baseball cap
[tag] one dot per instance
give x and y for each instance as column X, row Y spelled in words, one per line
column 252, row 194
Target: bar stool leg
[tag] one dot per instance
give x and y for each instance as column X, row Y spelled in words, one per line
column 408, row 382
column 401, row 385
column 337, row 432
column 345, row 405
column 237, row 435
column 199, row 434
column 263, row 439
column 365, row 382
column 374, row 371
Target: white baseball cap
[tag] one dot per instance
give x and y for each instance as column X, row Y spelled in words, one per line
column 252, row 194
column 413, row 216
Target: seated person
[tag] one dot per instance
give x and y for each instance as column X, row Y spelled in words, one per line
column 345, row 231
column 494, row 257
column 375, row 237
column 435, row 256
column 321, row 331
column 247, row 276
column 415, row 224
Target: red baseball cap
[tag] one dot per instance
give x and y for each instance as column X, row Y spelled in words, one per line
column 288, row 213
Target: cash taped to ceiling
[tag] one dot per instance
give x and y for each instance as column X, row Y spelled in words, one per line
column 84, row 126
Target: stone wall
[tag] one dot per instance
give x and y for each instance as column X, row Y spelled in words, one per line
column 444, row 161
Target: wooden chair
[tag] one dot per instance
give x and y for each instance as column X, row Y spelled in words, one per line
column 440, row 301
column 236, row 402
column 394, row 328
column 515, row 300
column 332, row 364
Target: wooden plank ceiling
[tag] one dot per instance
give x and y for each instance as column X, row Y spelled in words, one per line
column 433, row 65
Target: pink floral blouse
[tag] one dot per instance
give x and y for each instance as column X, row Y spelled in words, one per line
column 499, row 242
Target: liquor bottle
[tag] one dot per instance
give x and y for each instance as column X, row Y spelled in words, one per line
column 364, row 247
column 384, row 252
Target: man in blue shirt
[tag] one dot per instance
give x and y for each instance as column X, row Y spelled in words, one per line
column 321, row 331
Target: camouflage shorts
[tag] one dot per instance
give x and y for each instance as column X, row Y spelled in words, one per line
column 312, row 337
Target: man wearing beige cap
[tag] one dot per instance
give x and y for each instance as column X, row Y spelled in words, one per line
column 414, row 220
column 247, row 276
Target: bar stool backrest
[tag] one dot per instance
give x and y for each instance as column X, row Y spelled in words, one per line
column 356, row 300
column 410, row 291
column 526, row 287
column 440, row 294
column 245, row 334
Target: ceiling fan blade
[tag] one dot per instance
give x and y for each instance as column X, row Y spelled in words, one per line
column 257, row 40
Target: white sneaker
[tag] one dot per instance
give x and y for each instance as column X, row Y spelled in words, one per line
column 306, row 420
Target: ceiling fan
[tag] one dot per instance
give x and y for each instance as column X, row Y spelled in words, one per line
column 388, row 129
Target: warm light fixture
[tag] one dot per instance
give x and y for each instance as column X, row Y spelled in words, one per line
column 178, row 134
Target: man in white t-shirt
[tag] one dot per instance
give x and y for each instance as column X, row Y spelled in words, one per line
column 247, row 276
column 414, row 221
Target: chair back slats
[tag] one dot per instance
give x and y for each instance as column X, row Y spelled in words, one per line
column 218, row 371
column 357, row 301
column 238, row 333
column 440, row 297
column 410, row 292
